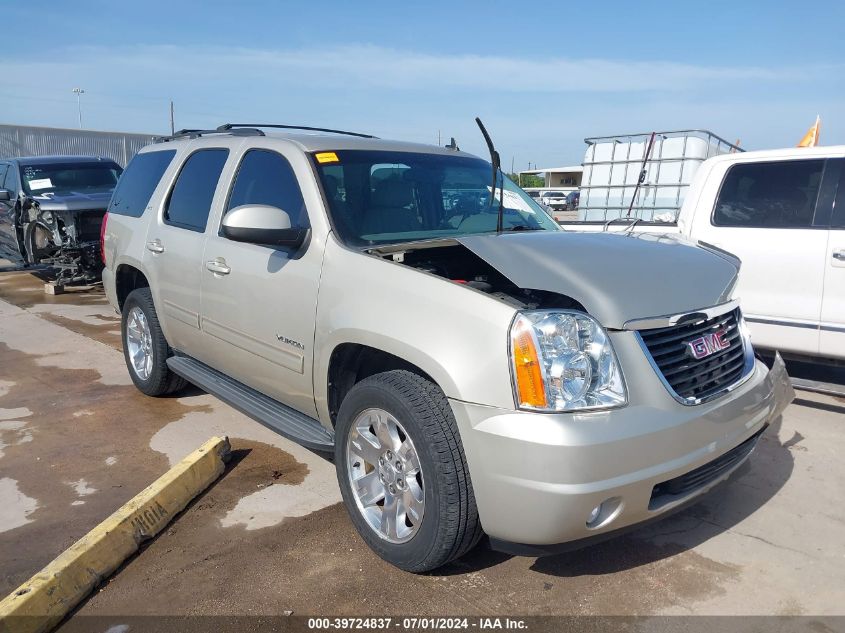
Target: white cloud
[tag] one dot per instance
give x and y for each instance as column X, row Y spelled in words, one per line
column 537, row 109
column 367, row 65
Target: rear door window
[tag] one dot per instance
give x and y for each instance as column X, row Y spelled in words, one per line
column 190, row 199
column 775, row 195
column 136, row 185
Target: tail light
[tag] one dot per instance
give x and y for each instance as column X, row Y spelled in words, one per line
column 103, row 238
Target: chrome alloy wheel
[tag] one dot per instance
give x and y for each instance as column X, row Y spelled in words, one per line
column 139, row 343
column 385, row 475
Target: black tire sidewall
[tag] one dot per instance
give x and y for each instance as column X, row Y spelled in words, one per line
column 157, row 382
column 406, row 555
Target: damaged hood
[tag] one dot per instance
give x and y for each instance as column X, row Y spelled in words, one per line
column 74, row 201
column 616, row 277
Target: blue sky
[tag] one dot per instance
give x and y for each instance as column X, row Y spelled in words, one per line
column 542, row 75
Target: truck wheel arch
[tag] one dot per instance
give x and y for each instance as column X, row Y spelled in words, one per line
column 350, row 363
column 128, row 278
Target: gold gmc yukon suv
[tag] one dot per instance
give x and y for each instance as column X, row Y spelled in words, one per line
column 474, row 368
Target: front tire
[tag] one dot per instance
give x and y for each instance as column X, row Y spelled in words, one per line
column 145, row 349
column 402, row 472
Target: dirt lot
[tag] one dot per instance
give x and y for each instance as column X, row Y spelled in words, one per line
column 77, row 440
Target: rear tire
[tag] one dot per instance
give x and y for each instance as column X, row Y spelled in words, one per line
column 445, row 525
column 145, row 349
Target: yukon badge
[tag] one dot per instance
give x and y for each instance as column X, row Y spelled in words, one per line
column 289, row 341
column 706, row 345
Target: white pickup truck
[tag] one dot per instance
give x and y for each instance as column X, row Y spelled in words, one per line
column 782, row 213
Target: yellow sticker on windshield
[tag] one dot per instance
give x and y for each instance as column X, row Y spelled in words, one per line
column 327, row 157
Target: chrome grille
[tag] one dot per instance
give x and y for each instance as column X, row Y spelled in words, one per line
column 696, row 380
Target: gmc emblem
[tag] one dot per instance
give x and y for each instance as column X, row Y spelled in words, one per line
column 709, row 344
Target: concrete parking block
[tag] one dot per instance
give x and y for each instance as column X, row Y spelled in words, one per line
column 41, row 602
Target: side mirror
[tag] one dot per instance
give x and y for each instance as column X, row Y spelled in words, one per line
column 262, row 224
column 5, row 195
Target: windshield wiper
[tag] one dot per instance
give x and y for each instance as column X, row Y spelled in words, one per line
column 497, row 168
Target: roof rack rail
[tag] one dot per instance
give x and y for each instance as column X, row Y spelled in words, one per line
column 196, row 133
column 250, row 129
column 234, row 126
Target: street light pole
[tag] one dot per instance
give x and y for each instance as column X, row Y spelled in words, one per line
column 79, row 92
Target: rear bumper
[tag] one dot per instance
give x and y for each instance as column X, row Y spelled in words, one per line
column 109, row 287
column 537, row 477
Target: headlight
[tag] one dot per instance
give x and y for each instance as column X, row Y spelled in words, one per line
column 563, row 361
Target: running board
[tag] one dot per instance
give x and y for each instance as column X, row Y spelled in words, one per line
column 829, row 388
column 275, row 416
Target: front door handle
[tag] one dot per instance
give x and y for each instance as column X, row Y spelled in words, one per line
column 155, row 246
column 218, row 267
column 840, row 255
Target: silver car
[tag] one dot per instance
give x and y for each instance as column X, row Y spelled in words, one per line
column 472, row 367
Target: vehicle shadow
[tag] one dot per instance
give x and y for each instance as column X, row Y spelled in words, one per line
column 191, row 390
column 822, row 406
column 188, row 391
column 749, row 488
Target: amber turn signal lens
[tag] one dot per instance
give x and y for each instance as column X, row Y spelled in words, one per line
column 526, row 364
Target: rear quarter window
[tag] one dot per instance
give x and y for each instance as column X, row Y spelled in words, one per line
column 136, row 185
column 775, row 195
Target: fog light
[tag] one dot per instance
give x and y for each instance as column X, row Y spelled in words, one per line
column 605, row 513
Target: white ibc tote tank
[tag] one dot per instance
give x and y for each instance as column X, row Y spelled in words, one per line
column 612, row 167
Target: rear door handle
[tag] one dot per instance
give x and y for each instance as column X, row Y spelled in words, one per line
column 840, row 255
column 218, row 267
column 155, row 246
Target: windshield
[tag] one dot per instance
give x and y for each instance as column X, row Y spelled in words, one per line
column 380, row 197
column 64, row 178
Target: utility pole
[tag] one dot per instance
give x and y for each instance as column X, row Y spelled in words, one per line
column 79, row 92
column 172, row 126
column 438, row 138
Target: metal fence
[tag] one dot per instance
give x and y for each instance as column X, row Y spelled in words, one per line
column 26, row 140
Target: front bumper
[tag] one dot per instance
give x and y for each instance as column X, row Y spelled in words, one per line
column 537, row 477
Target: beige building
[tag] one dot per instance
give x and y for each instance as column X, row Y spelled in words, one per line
column 558, row 178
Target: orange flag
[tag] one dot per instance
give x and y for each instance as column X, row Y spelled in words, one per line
column 811, row 138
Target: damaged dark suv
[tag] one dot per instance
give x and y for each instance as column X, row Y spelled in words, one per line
column 51, row 212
